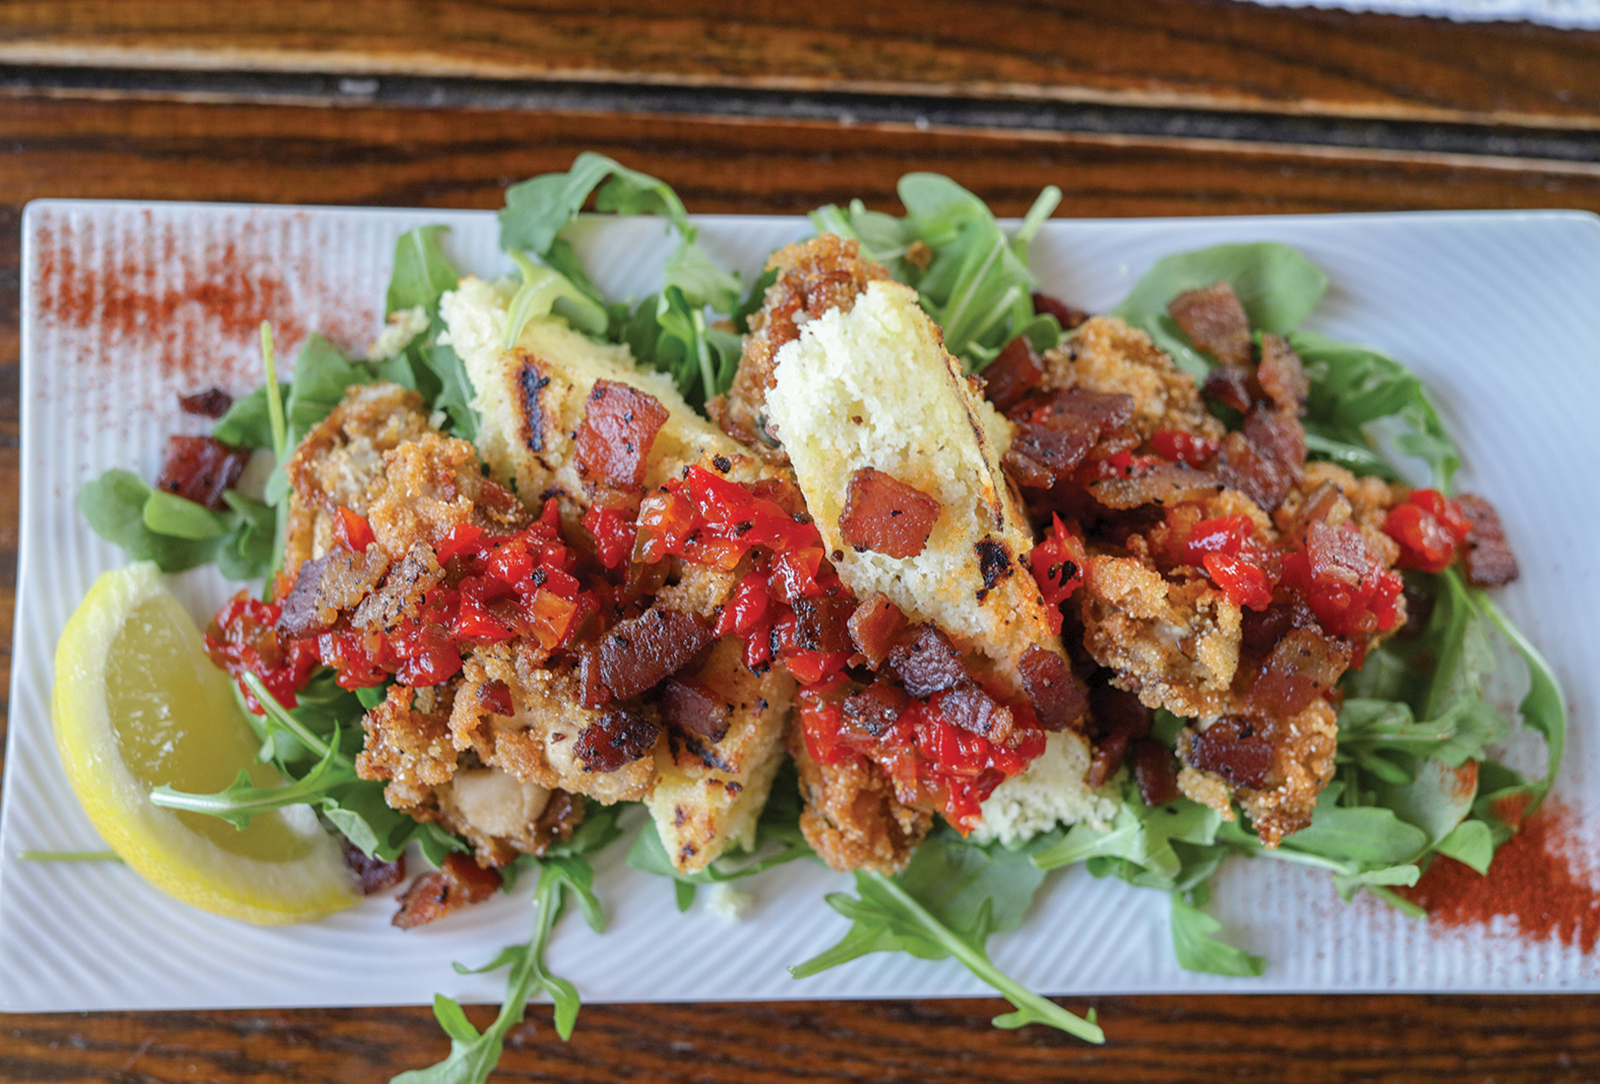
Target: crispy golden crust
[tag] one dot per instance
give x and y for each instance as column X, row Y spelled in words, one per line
column 1174, row 644
column 408, row 743
column 340, row 463
column 852, row 818
column 1302, row 764
column 1106, row 355
column 814, row 276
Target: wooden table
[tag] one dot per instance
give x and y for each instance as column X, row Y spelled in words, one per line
column 1161, row 109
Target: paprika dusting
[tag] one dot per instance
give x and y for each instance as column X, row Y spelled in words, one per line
column 1531, row 881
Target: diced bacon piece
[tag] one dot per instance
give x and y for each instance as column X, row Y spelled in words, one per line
column 929, row 664
column 1039, row 456
column 1265, row 460
column 876, row 708
column 376, row 874
column 1488, row 557
column 876, row 627
column 200, row 468
column 619, row 425
column 1066, row 315
column 1304, row 665
column 1232, row 748
column 459, row 882
column 1014, row 372
column 1281, row 375
column 1119, row 719
column 1078, row 410
column 1155, row 769
column 972, row 709
column 823, row 623
column 1215, row 321
column 688, row 704
column 1058, row 702
column 886, row 516
column 211, row 403
column 616, row 739
column 637, row 654
column 1230, row 386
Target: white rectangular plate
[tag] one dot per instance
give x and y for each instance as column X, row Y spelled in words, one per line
column 127, row 305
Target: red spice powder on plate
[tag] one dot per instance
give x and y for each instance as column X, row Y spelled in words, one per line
column 1532, row 881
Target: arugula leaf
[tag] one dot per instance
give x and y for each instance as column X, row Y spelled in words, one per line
column 886, row 918
column 248, row 422
column 541, row 291
column 1277, row 285
column 114, row 504
column 422, row 275
column 668, row 330
column 971, row 279
column 1194, row 945
column 473, row 1054
column 1353, row 387
column 245, row 553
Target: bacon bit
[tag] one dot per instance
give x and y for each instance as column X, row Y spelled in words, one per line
column 211, row 403
column 929, row 664
column 1488, row 558
column 1058, row 702
column 1303, row 666
column 495, row 696
column 1266, row 459
column 1230, row 386
column 1155, row 769
column 1343, row 581
column 1118, row 719
column 875, row 628
column 303, row 614
column 561, row 817
column 1233, row 749
column 1215, row 321
column 199, row 469
column 1039, row 457
column 823, row 623
column 1066, row 315
column 1281, row 375
column 1013, row 373
column 687, row 704
column 636, row 654
column 886, row 516
column 619, row 424
column 459, row 882
column 972, row 709
column 376, row 874
column 616, row 739
column 876, row 708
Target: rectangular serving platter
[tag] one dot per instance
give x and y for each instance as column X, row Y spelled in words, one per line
column 125, row 306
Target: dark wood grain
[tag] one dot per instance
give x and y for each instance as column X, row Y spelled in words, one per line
column 144, row 150
column 1213, row 54
column 465, row 158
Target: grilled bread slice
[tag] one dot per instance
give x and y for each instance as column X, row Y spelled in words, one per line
column 532, row 400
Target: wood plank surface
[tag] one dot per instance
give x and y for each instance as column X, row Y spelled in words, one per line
column 1212, row 54
column 143, row 150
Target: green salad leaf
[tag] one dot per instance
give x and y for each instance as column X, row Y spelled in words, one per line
column 669, row 330
column 971, row 278
column 948, row 900
column 1278, row 287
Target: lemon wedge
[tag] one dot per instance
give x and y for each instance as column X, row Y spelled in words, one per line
column 138, row 704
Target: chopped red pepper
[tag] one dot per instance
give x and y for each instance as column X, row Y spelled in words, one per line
column 1430, row 527
column 1181, row 447
column 353, row 530
column 1058, row 565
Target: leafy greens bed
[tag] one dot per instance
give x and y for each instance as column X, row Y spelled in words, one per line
column 1407, row 733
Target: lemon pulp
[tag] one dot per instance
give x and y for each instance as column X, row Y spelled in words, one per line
column 185, row 730
column 137, row 704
